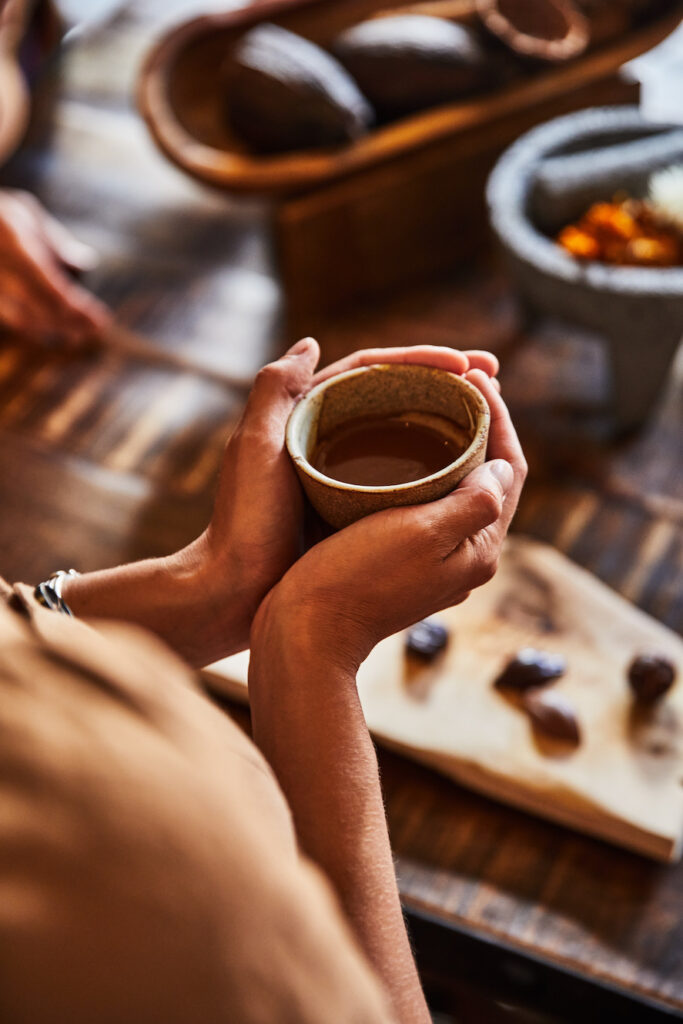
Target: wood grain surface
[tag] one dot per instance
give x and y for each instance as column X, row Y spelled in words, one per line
column 103, row 459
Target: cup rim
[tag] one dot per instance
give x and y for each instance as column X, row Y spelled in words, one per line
column 482, row 421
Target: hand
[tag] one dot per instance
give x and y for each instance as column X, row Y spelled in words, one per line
column 202, row 599
column 256, row 531
column 38, row 299
column 395, row 567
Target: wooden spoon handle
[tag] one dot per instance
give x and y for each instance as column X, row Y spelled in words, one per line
column 122, row 341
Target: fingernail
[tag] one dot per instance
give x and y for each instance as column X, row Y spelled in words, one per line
column 300, row 347
column 503, row 473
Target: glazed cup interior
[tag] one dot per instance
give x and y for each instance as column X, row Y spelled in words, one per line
column 385, row 390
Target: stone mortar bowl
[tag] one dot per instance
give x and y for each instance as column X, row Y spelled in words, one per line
column 385, row 390
column 548, row 178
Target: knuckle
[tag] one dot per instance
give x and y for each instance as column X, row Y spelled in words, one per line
column 482, row 573
column 486, row 562
column 424, row 531
column 270, row 375
column 278, row 378
column 436, row 534
column 432, row 524
column 491, row 503
column 490, row 568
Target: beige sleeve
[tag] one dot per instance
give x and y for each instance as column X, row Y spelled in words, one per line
column 148, row 869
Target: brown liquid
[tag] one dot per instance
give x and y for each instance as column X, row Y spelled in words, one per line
column 382, row 451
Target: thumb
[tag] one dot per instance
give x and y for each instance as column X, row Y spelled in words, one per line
column 278, row 385
column 76, row 255
column 65, row 247
column 475, row 504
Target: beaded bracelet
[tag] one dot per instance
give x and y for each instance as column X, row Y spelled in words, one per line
column 49, row 593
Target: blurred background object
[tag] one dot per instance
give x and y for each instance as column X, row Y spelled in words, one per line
column 404, row 201
column 551, row 176
column 29, row 33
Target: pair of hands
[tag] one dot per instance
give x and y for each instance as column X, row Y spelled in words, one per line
column 373, row 578
column 378, row 575
column 38, row 298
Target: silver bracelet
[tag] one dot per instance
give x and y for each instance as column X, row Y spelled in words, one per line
column 49, row 593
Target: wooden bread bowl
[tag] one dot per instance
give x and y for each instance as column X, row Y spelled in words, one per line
column 182, row 95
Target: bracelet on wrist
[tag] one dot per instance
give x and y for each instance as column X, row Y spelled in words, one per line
column 49, row 593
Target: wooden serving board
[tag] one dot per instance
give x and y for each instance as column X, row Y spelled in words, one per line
column 624, row 782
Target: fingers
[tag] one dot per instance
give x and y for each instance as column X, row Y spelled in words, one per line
column 47, row 293
column 477, row 503
column 279, row 384
column 79, row 310
column 425, row 355
column 503, row 441
column 66, row 247
column 44, row 313
column 69, row 250
column 480, row 360
column 28, row 315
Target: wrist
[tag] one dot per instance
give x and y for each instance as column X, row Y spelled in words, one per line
column 181, row 597
column 298, row 630
column 208, row 589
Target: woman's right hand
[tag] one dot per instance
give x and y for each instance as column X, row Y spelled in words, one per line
column 393, row 568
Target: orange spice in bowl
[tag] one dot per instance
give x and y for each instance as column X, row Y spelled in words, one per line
column 624, row 232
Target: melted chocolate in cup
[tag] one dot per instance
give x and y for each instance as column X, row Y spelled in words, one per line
column 384, row 451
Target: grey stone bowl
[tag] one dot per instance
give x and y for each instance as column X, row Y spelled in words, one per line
column 549, row 177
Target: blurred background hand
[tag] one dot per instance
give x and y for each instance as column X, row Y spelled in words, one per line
column 38, row 298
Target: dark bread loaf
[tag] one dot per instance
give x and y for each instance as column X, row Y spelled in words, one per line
column 413, row 61
column 286, row 93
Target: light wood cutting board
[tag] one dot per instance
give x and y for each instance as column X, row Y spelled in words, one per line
column 624, row 783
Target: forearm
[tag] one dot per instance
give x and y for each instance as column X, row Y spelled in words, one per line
column 308, row 721
column 174, row 597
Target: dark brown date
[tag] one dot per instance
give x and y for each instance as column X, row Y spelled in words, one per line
column 552, row 714
column 650, row 677
column 426, row 639
column 531, row 668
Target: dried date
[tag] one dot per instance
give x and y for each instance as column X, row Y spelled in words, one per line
column 531, row 668
column 551, row 713
column 426, row 639
column 650, row 677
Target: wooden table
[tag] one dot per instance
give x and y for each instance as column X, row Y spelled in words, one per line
column 103, row 459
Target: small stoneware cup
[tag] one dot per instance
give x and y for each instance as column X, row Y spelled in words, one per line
column 385, row 390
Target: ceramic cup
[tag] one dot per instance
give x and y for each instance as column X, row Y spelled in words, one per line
column 384, row 390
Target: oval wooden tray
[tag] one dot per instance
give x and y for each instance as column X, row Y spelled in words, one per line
column 182, row 98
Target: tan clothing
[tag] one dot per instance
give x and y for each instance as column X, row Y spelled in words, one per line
column 148, row 866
